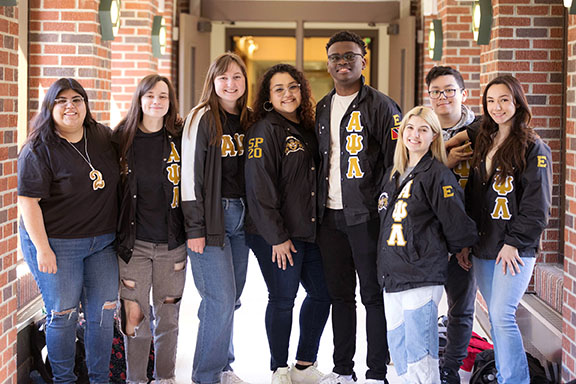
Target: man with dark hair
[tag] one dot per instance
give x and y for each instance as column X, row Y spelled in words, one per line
column 447, row 95
column 356, row 127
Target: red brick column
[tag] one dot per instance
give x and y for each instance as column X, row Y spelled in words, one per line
column 459, row 49
column 8, row 209
column 527, row 42
column 132, row 51
column 569, row 305
column 65, row 41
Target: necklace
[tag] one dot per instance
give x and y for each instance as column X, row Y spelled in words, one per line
column 95, row 175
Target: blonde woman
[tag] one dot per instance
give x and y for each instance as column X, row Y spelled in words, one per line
column 420, row 201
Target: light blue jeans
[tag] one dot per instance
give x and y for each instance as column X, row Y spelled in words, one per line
column 87, row 273
column 219, row 275
column 502, row 294
column 412, row 321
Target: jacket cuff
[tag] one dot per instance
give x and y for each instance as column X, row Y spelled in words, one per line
column 195, row 233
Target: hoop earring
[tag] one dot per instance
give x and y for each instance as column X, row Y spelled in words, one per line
column 266, row 107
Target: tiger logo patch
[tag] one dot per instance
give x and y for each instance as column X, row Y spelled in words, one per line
column 383, row 201
column 292, row 145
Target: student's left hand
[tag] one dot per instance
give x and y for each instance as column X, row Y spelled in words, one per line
column 464, row 259
column 510, row 259
column 459, row 154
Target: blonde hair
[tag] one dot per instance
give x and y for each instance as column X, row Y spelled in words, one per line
column 437, row 146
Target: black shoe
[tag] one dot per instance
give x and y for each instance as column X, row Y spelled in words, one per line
column 449, row 376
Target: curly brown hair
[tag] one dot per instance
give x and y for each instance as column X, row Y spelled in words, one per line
column 511, row 156
column 305, row 110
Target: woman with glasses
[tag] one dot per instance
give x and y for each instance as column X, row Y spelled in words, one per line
column 214, row 210
column 151, row 249
column 508, row 194
column 67, row 195
column 282, row 158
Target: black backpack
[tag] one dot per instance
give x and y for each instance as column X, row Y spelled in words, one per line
column 485, row 370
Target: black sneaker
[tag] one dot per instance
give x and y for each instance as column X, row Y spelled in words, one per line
column 449, row 376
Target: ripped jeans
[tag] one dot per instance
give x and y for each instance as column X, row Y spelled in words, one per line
column 88, row 274
column 152, row 267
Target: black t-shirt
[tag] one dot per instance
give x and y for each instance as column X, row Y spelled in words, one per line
column 151, row 212
column 57, row 174
column 232, row 157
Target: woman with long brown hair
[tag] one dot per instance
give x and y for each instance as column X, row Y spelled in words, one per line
column 508, row 194
column 214, row 209
column 151, row 228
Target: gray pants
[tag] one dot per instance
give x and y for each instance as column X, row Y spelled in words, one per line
column 153, row 266
column 461, row 293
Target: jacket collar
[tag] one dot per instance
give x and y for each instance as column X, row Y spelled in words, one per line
column 275, row 118
column 423, row 165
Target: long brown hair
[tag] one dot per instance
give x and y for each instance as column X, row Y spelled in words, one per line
column 511, row 156
column 305, row 110
column 210, row 99
column 128, row 127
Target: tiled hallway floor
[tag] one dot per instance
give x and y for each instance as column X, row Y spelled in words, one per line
column 252, row 355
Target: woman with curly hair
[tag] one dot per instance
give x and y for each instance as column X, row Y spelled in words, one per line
column 508, row 194
column 281, row 164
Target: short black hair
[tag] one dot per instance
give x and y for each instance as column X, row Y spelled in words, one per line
column 347, row 36
column 444, row 71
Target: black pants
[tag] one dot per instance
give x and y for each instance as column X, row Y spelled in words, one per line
column 347, row 250
column 461, row 293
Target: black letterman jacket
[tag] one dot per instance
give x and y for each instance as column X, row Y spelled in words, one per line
column 420, row 225
column 126, row 234
column 202, row 181
column 375, row 117
column 280, row 181
column 515, row 212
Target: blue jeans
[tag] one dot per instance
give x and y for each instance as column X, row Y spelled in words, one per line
column 219, row 275
column 412, row 320
column 87, row 273
column 502, row 294
column 282, row 289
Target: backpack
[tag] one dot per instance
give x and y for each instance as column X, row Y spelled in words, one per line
column 477, row 344
column 485, row 370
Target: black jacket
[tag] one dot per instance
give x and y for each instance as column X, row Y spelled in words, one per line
column 379, row 118
column 202, row 180
column 421, row 220
column 126, row 235
column 515, row 213
column 280, row 181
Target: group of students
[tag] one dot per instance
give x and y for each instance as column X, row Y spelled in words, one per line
column 321, row 196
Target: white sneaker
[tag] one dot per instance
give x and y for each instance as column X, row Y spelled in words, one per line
column 229, row 377
column 334, row 378
column 281, row 376
column 310, row 375
column 374, row 381
column 164, row 381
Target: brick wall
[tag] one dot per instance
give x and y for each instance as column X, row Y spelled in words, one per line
column 132, row 51
column 8, row 209
column 459, row 49
column 569, row 309
column 527, row 42
column 65, row 41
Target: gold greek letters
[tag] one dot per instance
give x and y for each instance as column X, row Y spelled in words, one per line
column 354, row 143
column 501, row 210
column 174, row 155
column 354, row 171
column 98, row 183
column 542, row 163
column 405, row 193
column 354, row 124
column 175, row 197
column 448, row 191
column 396, row 236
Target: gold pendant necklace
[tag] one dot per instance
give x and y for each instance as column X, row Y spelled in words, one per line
column 95, row 175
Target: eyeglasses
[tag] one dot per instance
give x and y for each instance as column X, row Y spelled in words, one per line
column 448, row 93
column 348, row 57
column 62, row 101
column 293, row 88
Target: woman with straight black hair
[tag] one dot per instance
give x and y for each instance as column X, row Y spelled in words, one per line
column 67, row 195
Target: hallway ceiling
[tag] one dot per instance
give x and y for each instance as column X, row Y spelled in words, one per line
column 366, row 11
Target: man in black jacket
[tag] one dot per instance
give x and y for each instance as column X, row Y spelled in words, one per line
column 447, row 95
column 356, row 128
